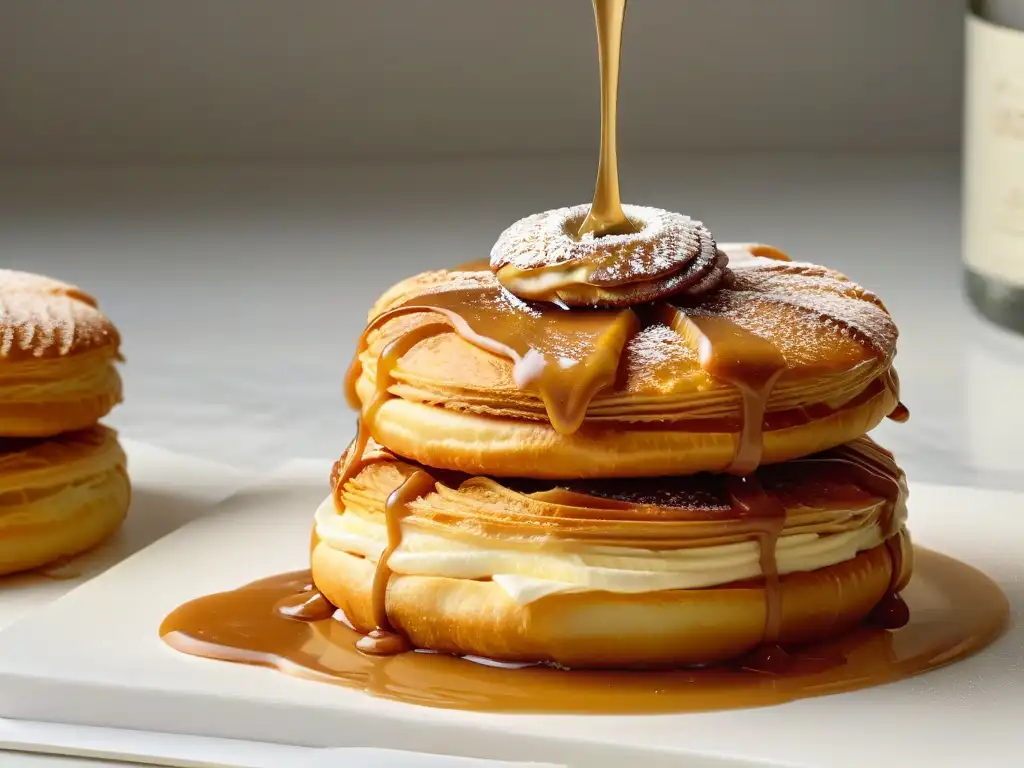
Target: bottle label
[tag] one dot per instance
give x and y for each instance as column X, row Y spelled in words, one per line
column 994, row 152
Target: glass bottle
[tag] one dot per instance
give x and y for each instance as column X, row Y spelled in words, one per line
column 994, row 161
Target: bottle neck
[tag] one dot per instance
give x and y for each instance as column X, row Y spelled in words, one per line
column 1005, row 13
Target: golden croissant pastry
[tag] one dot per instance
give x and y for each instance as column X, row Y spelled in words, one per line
column 57, row 357
column 614, row 573
column 59, row 496
column 781, row 360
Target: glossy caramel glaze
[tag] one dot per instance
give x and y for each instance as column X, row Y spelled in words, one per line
column 731, row 353
column 383, row 640
column 955, row 612
column 567, row 358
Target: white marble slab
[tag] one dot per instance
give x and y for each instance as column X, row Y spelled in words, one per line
column 78, row 744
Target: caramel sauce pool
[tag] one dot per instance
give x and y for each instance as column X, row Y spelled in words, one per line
column 955, row 611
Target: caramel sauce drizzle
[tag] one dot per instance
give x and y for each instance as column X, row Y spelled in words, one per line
column 876, row 471
column 567, row 357
column 767, row 516
column 606, row 216
column 892, row 611
column 384, row 640
column 735, row 355
column 386, row 362
column 900, row 414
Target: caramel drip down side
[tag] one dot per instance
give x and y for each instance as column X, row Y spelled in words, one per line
column 876, row 471
column 384, row 640
column 566, row 362
column 735, row 355
column 307, row 605
column 900, row 414
column 767, row 517
column 386, row 363
column 892, row 611
column 606, row 216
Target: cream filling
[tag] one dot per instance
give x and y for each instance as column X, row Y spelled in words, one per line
column 527, row 575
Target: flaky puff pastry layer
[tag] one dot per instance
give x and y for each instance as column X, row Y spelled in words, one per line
column 59, row 497
column 616, row 542
column 477, row 444
column 57, row 357
column 457, row 405
column 601, row 629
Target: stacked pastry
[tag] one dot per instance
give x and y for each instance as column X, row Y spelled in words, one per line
column 625, row 451
column 63, row 481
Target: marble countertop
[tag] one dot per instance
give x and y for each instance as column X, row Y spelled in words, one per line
column 240, row 291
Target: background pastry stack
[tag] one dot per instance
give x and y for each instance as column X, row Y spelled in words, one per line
column 625, row 451
column 63, row 481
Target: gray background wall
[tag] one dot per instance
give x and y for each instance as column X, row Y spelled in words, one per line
column 142, row 80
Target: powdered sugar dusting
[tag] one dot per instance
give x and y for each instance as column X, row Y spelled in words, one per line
column 41, row 317
column 841, row 306
column 665, row 241
column 817, row 319
column 654, row 345
column 12, row 281
column 812, row 315
column 669, row 254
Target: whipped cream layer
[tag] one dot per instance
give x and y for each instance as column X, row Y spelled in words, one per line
column 531, row 574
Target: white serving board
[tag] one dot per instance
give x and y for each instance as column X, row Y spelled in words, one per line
column 168, row 490
column 85, row 746
column 122, row 676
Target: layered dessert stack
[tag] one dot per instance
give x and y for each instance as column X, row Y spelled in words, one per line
column 63, row 481
column 632, row 450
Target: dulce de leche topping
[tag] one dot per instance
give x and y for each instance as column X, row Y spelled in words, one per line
column 542, row 258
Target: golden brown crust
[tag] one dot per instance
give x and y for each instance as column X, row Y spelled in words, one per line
column 42, row 318
column 455, row 403
column 851, row 488
column 822, row 322
column 59, row 497
column 503, row 447
column 57, row 357
column 600, row 629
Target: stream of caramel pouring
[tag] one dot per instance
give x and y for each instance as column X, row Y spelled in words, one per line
column 606, row 216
